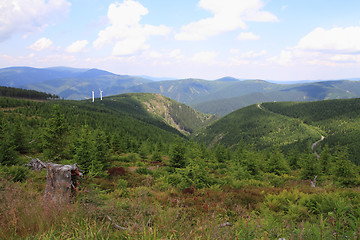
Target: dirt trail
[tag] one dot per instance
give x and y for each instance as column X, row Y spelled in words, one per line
column 259, row 105
column 314, row 145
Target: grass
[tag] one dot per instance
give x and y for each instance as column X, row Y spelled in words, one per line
column 292, row 211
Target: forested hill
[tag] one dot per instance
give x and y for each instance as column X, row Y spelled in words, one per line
column 177, row 115
column 144, row 179
column 127, row 121
column 29, row 120
column 290, row 125
column 24, row 93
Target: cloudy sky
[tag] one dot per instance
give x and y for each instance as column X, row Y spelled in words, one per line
column 209, row 39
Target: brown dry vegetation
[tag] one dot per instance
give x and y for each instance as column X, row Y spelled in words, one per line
column 151, row 209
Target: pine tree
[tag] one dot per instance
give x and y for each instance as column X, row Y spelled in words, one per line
column 177, row 158
column 101, row 150
column 276, row 163
column 156, row 155
column 20, row 138
column 54, row 136
column 8, row 154
column 83, row 150
column 342, row 168
column 325, row 159
column 310, row 166
column 221, row 153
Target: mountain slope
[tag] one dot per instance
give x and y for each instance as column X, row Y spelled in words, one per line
column 81, row 85
column 179, row 116
column 184, row 90
column 22, row 76
column 290, row 125
column 68, row 83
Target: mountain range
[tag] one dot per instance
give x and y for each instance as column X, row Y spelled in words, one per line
column 220, row 96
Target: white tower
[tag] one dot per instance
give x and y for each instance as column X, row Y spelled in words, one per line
column 93, row 96
column 100, row 94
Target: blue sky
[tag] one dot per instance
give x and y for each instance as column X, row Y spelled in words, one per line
column 257, row 39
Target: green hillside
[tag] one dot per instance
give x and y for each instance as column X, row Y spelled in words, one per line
column 129, row 119
column 290, row 125
column 156, row 107
column 144, row 179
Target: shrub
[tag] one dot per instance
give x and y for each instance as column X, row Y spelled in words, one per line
column 143, row 171
column 17, row 173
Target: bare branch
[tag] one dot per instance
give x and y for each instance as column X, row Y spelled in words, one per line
column 227, row 224
column 114, row 224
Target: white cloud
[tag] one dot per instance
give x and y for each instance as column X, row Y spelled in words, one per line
column 24, row 16
column 333, row 47
column 204, row 57
column 41, row 44
column 346, row 58
column 125, row 30
column 246, row 58
column 285, row 58
column 248, row 36
column 77, row 46
column 341, row 40
column 229, row 15
column 176, row 54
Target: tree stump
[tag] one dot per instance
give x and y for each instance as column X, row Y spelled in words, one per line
column 61, row 180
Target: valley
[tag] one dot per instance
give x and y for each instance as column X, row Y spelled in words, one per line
column 161, row 169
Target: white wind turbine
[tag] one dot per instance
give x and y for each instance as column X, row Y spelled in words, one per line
column 100, row 94
column 93, row 96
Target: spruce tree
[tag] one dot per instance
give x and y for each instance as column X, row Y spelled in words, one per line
column 82, row 149
column 276, row 163
column 310, row 166
column 101, row 150
column 8, row 154
column 177, row 158
column 55, row 135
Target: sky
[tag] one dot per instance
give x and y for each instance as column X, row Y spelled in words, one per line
column 281, row 40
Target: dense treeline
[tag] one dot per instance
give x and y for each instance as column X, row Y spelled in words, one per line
column 24, row 93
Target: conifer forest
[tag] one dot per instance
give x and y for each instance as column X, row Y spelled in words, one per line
column 153, row 168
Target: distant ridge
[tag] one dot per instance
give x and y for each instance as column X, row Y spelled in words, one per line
column 227, row 79
column 220, row 96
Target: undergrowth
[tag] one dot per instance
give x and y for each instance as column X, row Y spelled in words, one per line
column 293, row 211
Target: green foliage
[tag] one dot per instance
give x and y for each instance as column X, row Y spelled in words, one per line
column 17, row 173
column 186, row 188
column 24, row 93
column 143, row 170
column 276, row 163
column 221, row 153
column 55, row 135
column 342, row 168
column 177, row 156
column 194, row 175
column 8, row 154
column 156, row 155
column 92, row 151
column 310, row 166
